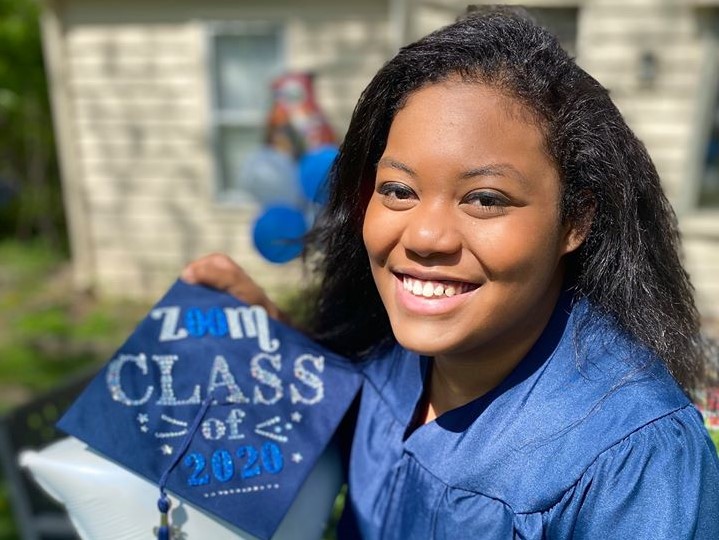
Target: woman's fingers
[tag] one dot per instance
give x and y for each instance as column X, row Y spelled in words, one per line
column 219, row 271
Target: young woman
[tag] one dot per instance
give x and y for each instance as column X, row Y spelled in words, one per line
column 498, row 254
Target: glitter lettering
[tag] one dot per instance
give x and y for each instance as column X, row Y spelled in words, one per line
column 234, row 419
column 221, row 376
column 309, row 379
column 114, row 383
column 266, row 377
column 213, row 429
column 255, row 322
column 167, row 396
column 170, row 317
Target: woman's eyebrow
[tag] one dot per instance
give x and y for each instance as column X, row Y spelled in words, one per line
column 496, row 169
column 394, row 164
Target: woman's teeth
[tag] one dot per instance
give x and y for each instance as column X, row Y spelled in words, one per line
column 434, row 289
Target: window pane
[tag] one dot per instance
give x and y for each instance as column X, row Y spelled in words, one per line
column 234, row 144
column 709, row 188
column 245, row 65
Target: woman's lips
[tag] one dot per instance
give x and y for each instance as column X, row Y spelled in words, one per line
column 431, row 297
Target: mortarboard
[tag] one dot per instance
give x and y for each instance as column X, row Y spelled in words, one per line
column 215, row 401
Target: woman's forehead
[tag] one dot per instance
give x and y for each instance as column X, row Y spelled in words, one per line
column 464, row 122
column 498, row 91
column 470, row 110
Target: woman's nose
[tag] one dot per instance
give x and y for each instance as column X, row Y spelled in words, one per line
column 431, row 230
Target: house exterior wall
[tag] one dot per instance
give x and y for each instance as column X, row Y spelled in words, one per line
column 667, row 114
column 133, row 81
column 133, row 84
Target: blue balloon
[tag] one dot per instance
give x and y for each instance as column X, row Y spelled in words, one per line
column 315, row 166
column 278, row 233
column 271, row 177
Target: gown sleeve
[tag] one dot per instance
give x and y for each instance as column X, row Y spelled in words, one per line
column 660, row 482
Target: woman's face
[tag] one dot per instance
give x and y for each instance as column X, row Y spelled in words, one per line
column 463, row 229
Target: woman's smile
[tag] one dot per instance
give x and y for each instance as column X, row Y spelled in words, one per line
column 431, row 296
column 434, row 288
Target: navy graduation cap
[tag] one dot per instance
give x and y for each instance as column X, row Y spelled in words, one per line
column 218, row 403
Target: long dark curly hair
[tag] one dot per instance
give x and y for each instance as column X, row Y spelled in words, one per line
column 629, row 265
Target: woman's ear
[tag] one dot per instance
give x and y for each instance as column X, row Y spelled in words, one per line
column 579, row 225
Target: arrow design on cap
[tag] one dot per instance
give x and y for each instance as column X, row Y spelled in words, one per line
column 274, row 435
column 169, row 434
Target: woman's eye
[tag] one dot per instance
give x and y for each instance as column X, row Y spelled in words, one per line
column 395, row 192
column 487, row 201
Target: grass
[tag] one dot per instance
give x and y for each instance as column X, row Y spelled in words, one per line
column 7, row 525
column 48, row 333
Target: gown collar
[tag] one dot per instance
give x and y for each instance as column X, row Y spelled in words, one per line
column 406, row 400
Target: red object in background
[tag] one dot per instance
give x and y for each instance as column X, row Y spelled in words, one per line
column 712, row 400
column 708, row 404
column 296, row 123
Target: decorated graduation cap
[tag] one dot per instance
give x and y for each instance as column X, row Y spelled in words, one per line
column 214, row 401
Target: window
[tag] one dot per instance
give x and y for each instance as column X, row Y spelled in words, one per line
column 709, row 181
column 705, row 148
column 244, row 59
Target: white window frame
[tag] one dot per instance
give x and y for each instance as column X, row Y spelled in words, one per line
column 217, row 117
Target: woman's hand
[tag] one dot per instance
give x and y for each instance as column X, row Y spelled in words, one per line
column 219, row 271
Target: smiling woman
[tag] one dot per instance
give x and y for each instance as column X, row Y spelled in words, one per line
column 465, row 195
column 498, row 255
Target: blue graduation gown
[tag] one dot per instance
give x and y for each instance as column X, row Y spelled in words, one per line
column 589, row 437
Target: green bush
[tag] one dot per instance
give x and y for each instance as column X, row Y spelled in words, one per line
column 30, row 196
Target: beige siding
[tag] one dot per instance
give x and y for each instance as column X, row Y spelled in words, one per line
column 613, row 37
column 140, row 109
column 137, row 97
column 665, row 115
column 702, row 254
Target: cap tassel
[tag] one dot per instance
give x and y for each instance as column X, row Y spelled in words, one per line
column 163, row 504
